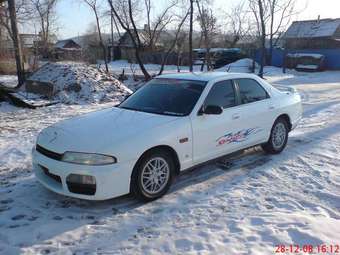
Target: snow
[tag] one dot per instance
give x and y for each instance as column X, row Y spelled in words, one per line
column 301, row 55
column 10, row 81
column 94, row 84
column 260, row 202
column 310, row 67
column 129, row 68
column 244, row 65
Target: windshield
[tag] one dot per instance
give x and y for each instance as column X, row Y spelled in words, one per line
column 165, row 96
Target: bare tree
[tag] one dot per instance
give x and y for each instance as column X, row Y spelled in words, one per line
column 272, row 17
column 155, row 27
column 281, row 12
column 45, row 11
column 16, row 41
column 123, row 12
column 174, row 42
column 238, row 24
column 94, row 7
column 126, row 12
column 23, row 15
column 207, row 22
column 259, row 9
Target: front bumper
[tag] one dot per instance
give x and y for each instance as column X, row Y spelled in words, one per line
column 111, row 180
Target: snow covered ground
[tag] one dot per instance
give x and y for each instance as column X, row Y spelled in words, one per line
column 118, row 66
column 9, row 80
column 260, row 202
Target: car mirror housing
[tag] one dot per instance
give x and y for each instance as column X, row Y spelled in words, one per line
column 212, row 109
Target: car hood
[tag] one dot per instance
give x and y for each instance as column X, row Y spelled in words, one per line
column 97, row 131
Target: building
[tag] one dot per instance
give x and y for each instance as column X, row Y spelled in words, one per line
column 313, row 34
column 67, row 50
column 29, row 44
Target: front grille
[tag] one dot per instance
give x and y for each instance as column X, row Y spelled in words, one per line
column 53, row 176
column 48, row 153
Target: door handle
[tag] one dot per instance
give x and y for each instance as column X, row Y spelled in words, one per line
column 235, row 116
column 271, row 107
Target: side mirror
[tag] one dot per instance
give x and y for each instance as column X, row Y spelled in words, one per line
column 212, row 109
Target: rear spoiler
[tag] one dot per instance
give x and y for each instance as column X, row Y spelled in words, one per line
column 286, row 89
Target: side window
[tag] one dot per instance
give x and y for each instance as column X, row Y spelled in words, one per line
column 251, row 91
column 222, row 94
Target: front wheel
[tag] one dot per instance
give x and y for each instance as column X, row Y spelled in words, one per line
column 278, row 137
column 152, row 176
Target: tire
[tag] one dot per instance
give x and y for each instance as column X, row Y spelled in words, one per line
column 148, row 183
column 278, row 137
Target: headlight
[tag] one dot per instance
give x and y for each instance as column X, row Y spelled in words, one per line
column 88, row 158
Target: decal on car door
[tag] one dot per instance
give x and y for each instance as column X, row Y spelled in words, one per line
column 237, row 137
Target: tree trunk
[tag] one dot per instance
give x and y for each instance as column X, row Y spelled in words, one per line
column 190, row 35
column 284, row 64
column 112, row 38
column 136, row 45
column 16, row 43
column 270, row 53
column 263, row 39
column 101, row 41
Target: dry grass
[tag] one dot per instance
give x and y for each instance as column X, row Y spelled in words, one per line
column 7, row 67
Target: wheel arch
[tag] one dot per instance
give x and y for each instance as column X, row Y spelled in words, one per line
column 166, row 148
column 286, row 117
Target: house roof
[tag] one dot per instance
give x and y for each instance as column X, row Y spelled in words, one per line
column 313, row 28
column 61, row 44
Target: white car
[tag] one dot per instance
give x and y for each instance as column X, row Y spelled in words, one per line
column 174, row 122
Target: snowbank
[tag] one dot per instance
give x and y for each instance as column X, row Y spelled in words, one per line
column 75, row 82
column 244, row 65
column 301, row 55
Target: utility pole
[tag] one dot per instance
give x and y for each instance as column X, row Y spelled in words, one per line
column 190, row 35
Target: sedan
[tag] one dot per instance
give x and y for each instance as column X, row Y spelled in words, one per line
column 173, row 123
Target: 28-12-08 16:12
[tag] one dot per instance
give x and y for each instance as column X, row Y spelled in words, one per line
column 308, row 248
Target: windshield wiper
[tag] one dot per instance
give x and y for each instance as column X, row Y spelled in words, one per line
column 130, row 108
column 155, row 112
column 173, row 113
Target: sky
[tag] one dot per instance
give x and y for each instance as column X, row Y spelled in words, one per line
column 75, row 18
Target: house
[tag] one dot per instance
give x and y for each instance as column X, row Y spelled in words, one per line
column 29, row 41
column 90, row 47
column 67, row 50
column 68, row 44
column 313, row 34
column 127, row 48
column 153, row 52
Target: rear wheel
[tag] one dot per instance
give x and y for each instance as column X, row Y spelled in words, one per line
column 278, row 137
column 152, row 177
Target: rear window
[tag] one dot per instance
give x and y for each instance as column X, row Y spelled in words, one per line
column 221, row 94
column 251, row 91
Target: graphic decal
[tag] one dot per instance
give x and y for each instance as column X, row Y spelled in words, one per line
column 237, row 137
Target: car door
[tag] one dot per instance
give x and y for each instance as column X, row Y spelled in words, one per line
column 214, row 135
column 254, row 110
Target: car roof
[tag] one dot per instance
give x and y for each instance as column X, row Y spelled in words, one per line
column 205, row 76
